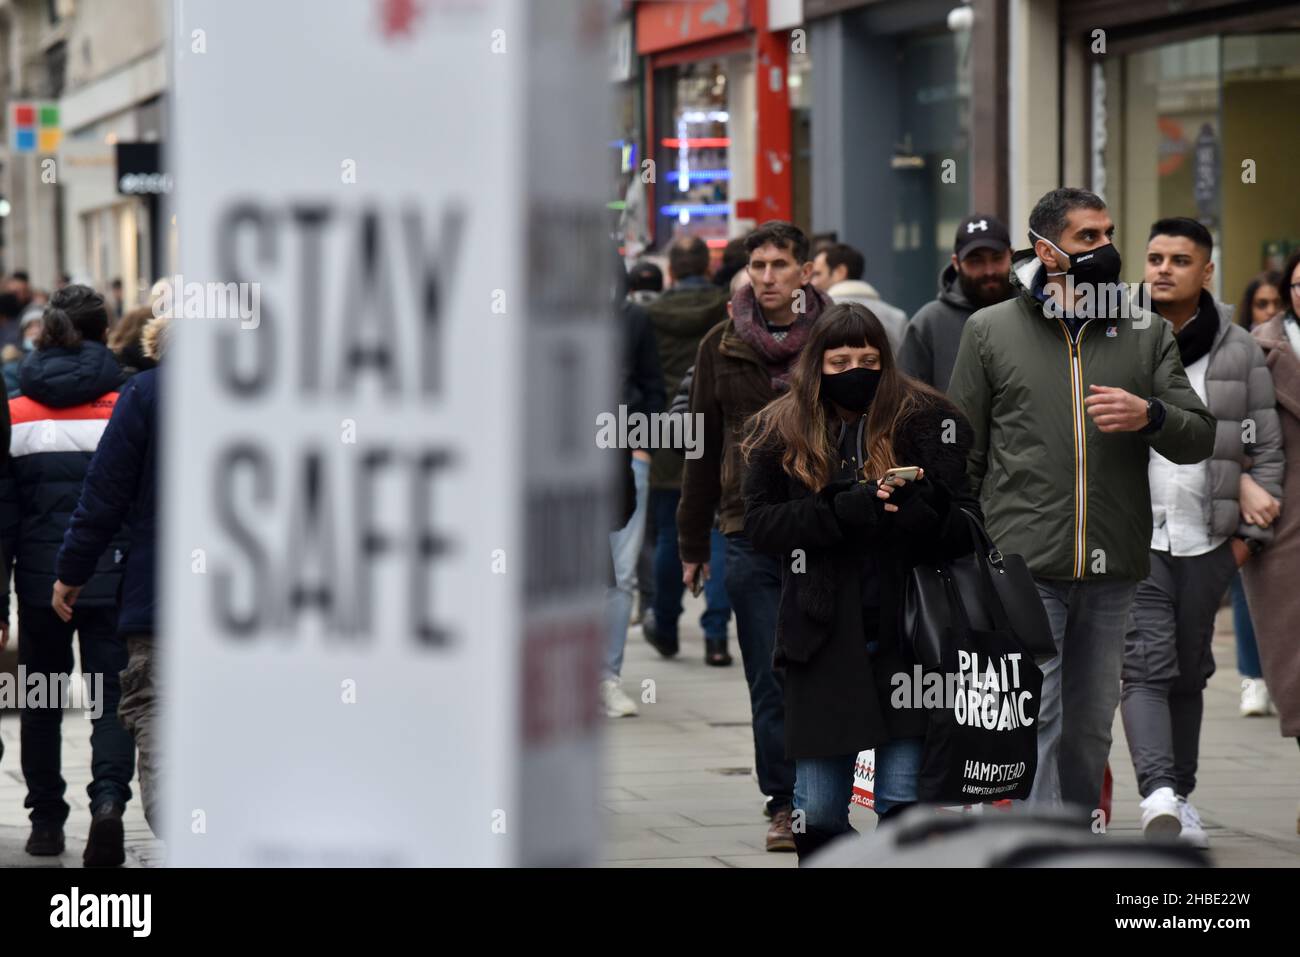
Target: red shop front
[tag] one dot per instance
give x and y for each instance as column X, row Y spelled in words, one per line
column 717, row 109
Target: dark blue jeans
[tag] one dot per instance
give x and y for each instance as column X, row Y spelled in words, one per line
column 1248, row 665
column 45, row 647
column 668, row 572
column 754, row 587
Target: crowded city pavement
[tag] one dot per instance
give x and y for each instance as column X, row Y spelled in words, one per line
column 677, row 790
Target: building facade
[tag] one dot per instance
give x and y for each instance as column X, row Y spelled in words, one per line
column 76, row 209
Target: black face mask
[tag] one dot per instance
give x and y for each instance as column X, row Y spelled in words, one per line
column 853, row 389
column 1096, row 266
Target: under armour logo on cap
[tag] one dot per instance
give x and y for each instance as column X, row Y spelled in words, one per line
column 980, row 231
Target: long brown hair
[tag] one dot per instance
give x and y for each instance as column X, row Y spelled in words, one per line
column 799, row 419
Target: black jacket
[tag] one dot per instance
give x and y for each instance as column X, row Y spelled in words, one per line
column 643, row 382
column 836, row 694
column 56, row 424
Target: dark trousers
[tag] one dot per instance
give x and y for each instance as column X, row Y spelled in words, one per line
column 669, row 588
column 1167, row 663
column 45, row 648
column 754, row 587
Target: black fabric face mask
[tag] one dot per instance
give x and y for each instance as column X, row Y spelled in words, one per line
column 852, row 389
column 1096, row 266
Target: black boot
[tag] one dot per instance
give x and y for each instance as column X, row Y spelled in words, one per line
column 104, row 846
column 809, row 840
column 46, row 840
column 895, row 811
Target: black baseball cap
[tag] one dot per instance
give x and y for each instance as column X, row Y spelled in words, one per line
column 980, row 232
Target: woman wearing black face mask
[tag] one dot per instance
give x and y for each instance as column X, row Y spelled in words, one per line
column 815, row 494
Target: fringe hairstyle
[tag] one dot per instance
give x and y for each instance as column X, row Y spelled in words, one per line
column 799, row 420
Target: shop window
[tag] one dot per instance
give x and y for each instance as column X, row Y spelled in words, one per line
column 694, row 155
column 1197, row 129
column 931, row 160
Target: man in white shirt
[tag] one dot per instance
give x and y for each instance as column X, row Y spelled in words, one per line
column 1207, row 520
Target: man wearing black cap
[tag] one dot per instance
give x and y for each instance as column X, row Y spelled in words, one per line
column 978, row 276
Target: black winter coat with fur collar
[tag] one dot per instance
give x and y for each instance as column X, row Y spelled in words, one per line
column 837, row 696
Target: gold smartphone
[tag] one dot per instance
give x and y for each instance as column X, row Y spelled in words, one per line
column 904, row 473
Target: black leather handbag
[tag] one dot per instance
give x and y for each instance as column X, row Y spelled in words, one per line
column 981, row 578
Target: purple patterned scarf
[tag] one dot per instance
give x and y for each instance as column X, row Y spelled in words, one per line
column 778, row 354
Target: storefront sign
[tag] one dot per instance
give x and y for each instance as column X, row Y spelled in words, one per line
column 34, row 126
column 139, row 170
column 1206, row 172
column 676, row 23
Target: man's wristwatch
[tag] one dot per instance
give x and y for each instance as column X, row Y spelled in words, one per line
column 1151, row 411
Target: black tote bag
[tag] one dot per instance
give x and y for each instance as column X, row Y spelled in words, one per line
column 983, row 579
column 982, row 744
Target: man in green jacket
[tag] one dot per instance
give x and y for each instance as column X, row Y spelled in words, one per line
column 1068, row 388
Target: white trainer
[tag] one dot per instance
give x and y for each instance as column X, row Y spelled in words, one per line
column 1193, row 831
column 1255, row 702
column 1160, row 818
column 616, row 702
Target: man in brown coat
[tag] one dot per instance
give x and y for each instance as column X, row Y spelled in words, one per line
column 742, row 364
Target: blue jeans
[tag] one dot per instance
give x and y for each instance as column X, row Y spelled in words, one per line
column 754, row 587
column 1081, row 687
column 1248, row 665
column 625, row 544
column 824, row 786
column 668, row 572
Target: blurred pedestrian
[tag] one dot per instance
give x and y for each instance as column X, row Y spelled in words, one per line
column 1270, row 578
column 20, row 284
column 1260, row 302
column 690, row 307
column 69, row 385
column 643, row 393
column 1066, row 401
column 838, row 271
column 816, row 487
column 13, row 356
column 1204, row 529
column 742, row 364
column 126, row 340
column 116, row 298
column 11, row 312
column 119, row 498
column 734, row 259
column 645, row 281
column 977, row 276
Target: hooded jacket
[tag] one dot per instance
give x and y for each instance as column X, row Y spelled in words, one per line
column 680, row 318
column 932, row 337
column 120, row 496
column 1071, row 499
column 56, row 425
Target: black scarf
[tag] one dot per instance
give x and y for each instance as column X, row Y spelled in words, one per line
column 1197, row 335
